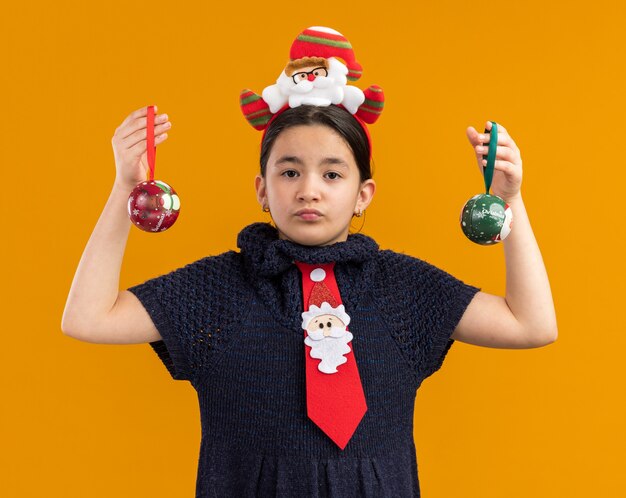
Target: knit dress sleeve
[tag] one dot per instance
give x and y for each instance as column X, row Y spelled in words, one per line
column 424, row 304
column 170, row 300
column 193, row 307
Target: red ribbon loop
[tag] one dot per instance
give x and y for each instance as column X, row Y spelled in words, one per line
column 151, row 151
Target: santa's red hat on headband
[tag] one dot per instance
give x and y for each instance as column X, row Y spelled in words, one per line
column 319, row 41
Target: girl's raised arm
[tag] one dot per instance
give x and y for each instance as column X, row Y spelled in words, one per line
column 525, row 317
column 96, row 310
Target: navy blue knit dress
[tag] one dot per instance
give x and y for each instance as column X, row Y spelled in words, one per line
column 231, row 325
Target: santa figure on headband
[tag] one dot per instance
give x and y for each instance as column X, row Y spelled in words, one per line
column 321, row 64
column 315, row 77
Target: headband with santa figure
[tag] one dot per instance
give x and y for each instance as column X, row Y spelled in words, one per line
column 321, row 63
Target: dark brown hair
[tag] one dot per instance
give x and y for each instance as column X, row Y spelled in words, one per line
column 336, row 118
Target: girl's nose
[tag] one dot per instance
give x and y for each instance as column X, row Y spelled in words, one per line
column 309, row 190
column 311, row 77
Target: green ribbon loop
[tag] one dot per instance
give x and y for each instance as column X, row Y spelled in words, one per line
column 491, row 155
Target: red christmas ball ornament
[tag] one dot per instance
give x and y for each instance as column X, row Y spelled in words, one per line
column 153, row 206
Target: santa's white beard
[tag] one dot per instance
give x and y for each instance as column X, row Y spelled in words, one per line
column 331, row 349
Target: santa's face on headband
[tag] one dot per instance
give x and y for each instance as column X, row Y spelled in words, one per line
column 313, row 81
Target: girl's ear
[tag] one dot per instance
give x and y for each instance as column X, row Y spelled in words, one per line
column 261, row 191
column 366, row 194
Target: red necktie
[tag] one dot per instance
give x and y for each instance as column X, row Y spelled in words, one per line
column 335, row 398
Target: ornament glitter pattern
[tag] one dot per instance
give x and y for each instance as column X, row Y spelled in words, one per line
column 486, row 219
column 153, row 206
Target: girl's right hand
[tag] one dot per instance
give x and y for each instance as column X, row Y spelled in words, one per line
column 130, row 144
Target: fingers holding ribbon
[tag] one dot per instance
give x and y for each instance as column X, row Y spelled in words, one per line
column 508, row 160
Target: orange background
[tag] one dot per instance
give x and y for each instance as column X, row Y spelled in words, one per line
column 79, row 419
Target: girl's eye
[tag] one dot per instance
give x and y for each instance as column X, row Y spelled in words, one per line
column 332, row 175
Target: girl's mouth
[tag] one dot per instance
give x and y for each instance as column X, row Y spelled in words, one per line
column 308, row 214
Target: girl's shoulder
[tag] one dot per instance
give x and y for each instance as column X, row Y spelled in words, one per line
column 401, row 265
column 412, row 278
column 217, row 270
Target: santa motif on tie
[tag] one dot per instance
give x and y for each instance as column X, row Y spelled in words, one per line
column 327, row 335
column 335, row 398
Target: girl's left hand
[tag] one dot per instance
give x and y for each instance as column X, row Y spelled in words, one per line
column 507, row 177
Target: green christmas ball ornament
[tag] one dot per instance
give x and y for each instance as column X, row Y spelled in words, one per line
column 486, row 219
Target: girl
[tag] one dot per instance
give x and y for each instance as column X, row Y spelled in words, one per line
column 233, row 324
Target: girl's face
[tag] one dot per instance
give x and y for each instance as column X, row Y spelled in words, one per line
column 312, row 186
